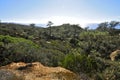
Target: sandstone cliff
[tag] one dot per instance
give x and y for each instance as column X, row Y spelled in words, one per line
column 35, row 71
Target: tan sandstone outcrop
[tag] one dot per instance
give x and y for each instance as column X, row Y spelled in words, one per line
column 36, row 71
column 114, row 54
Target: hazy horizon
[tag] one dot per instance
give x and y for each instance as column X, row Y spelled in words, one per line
column 81, row 12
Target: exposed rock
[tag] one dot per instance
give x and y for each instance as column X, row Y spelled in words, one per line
column 114, row 54
column 36, row 71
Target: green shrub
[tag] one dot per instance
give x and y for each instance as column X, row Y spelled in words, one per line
column 80, row 63
column 17, row 49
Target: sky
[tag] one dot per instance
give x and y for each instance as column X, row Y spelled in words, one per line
column 59, row 11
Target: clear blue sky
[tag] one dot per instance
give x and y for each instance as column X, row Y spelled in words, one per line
column 59, row 11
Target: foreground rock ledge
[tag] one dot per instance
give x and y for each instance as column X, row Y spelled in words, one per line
column 35, row 71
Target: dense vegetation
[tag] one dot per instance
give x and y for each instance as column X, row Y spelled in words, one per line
column 84, row 51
